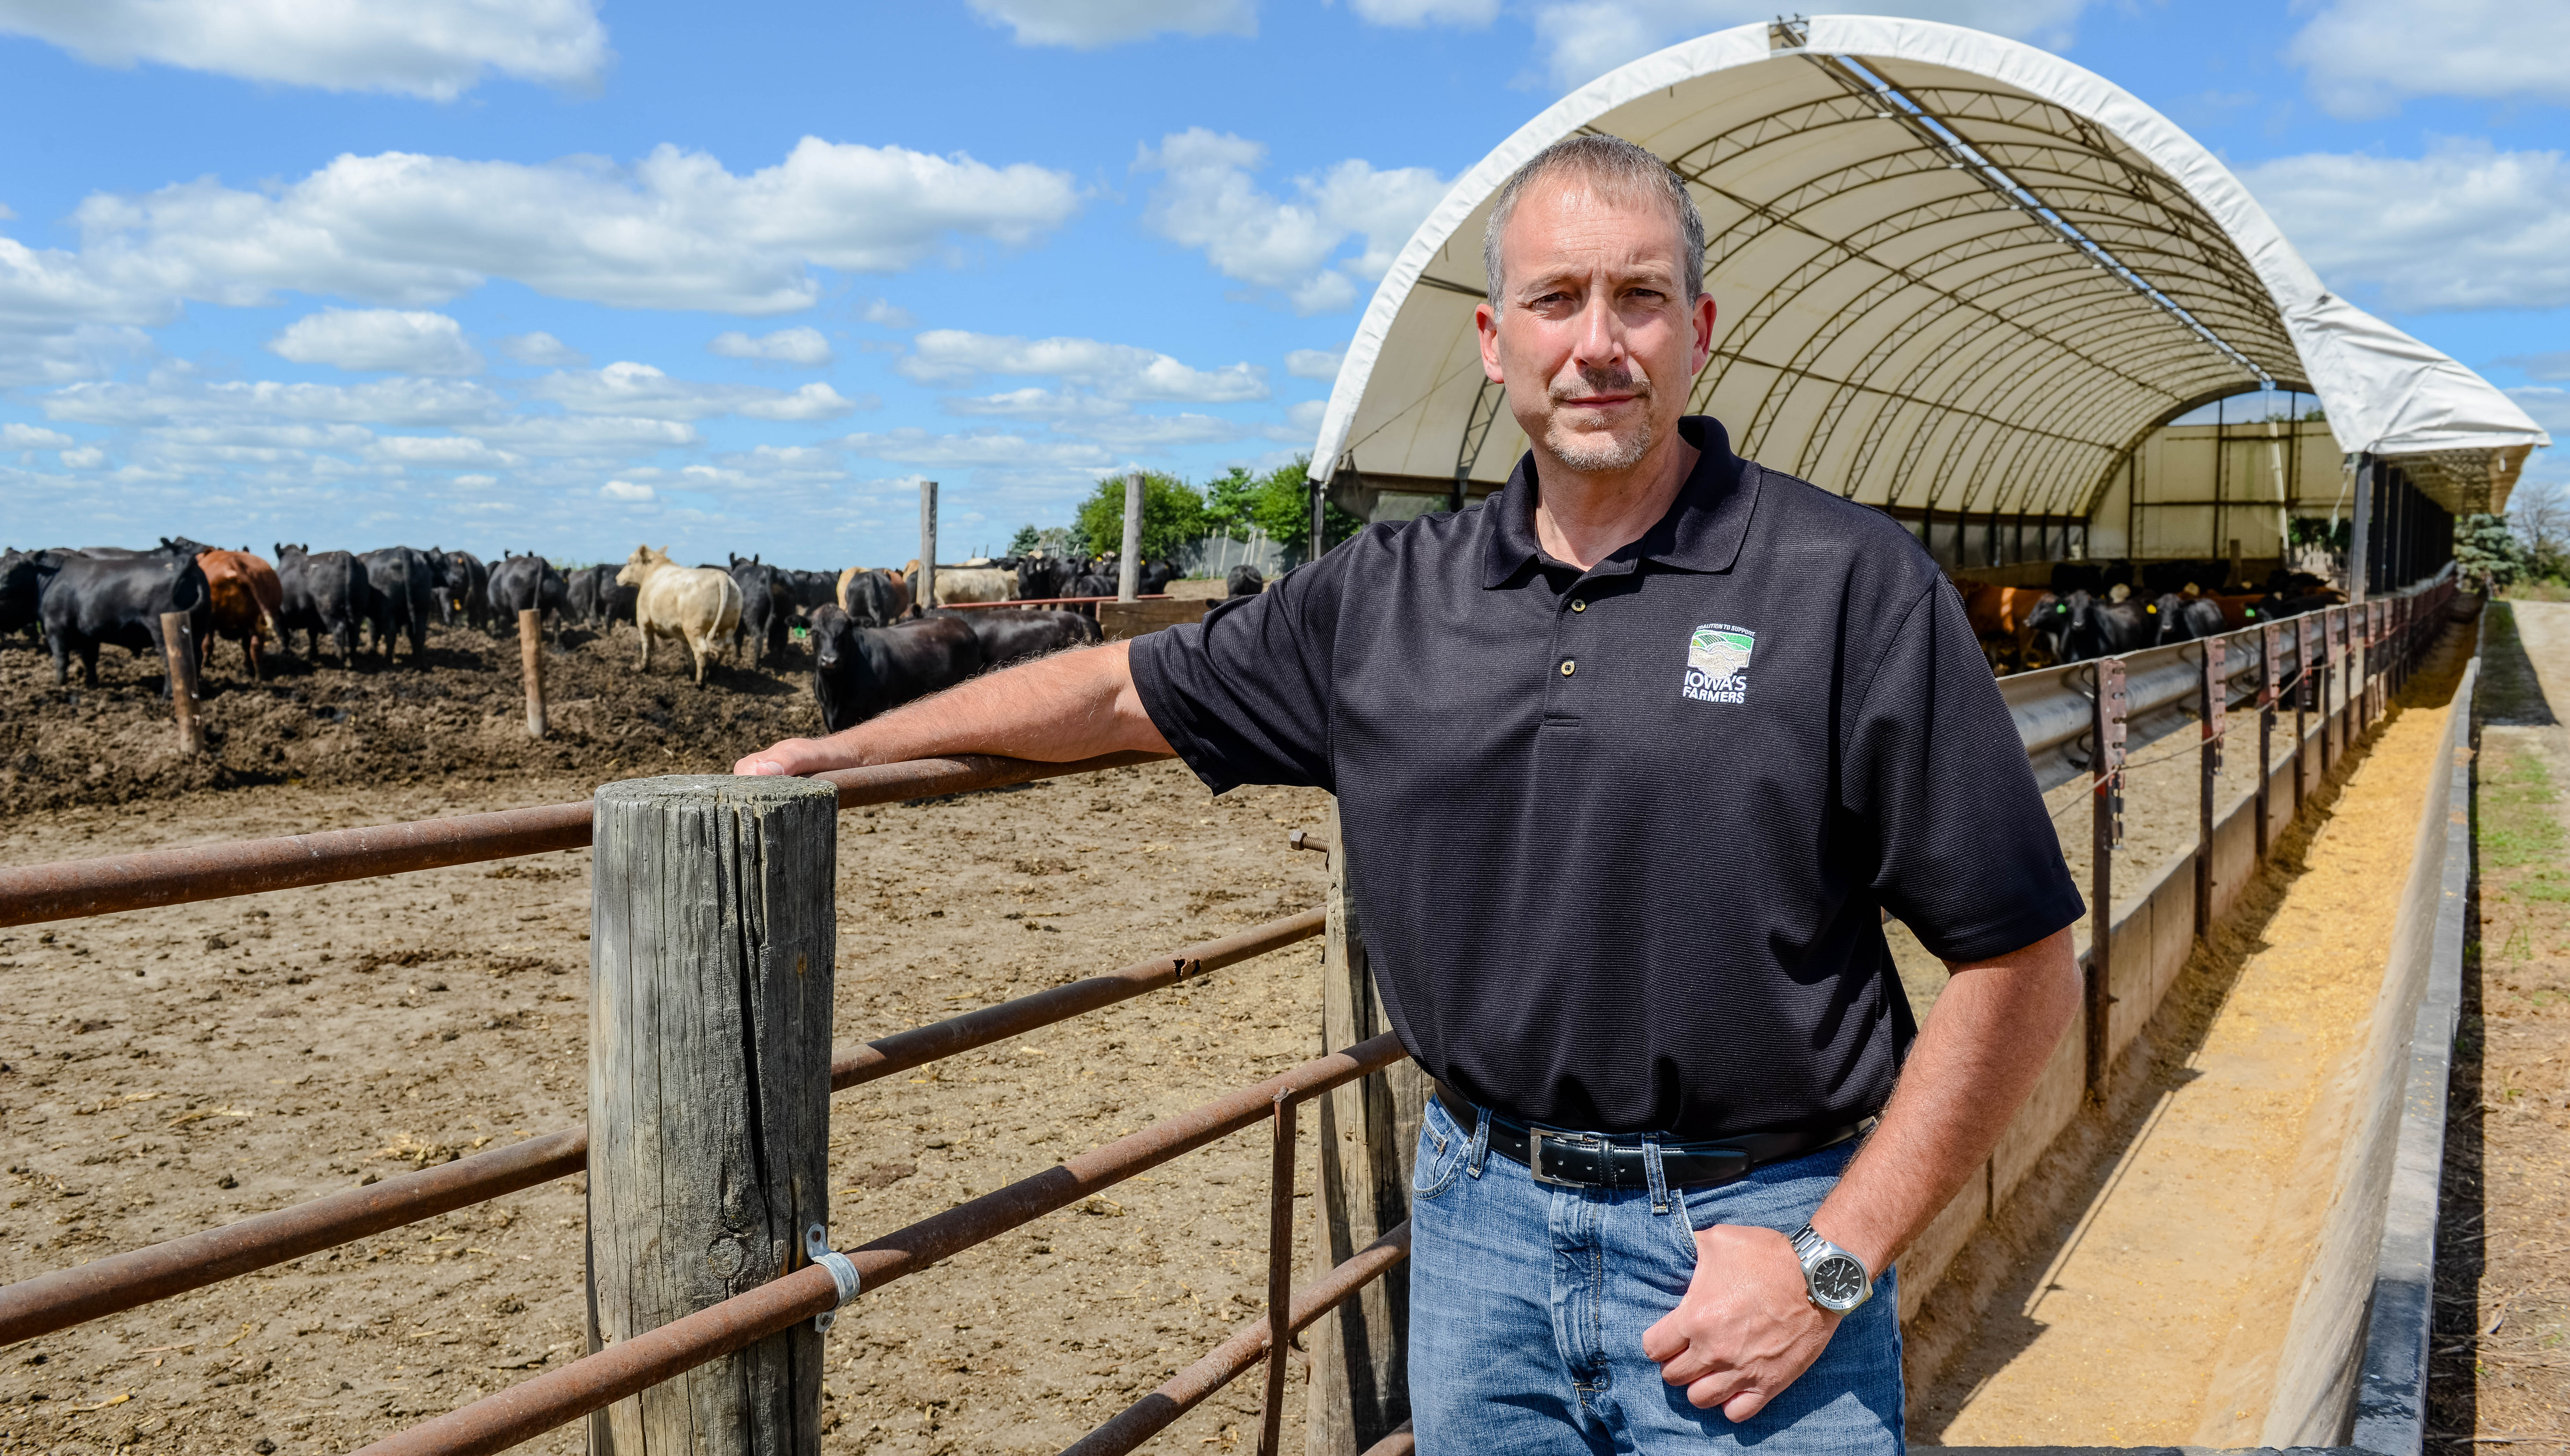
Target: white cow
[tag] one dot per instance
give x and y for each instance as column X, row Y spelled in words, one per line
column 699, row 605
column 965, row 584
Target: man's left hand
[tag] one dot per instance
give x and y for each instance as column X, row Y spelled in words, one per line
column 1747, row 1328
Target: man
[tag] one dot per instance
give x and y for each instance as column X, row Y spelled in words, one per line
column 1630, row 759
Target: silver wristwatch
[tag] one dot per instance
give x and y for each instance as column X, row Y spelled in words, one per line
column 1834, row 1278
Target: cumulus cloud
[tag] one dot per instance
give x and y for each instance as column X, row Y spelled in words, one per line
column 408, row 342
column 803, row 346
column 1315, row 364
column 2465, row 226
column 1415, row 13
column 32, row 437
column 885, row 312
column 2550, row 367
column 541, row 348
column 1209, row 199
column 2364, row 58
column 644, row 392
column 588, row 435
column 436, row 48
column 625, row 490
column 403, row 401
column 446, row 450
column 1036, row 403
column 87, row 457
column 955, row 357
column 1582, row 40
column 1154, row 432
column 673, row 231
column 1087, row 25
column 912, row 446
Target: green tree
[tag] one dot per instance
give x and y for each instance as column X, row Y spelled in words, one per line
column 2539, row 514
column 1279, row 504
column 1025, row 541
column 1174, row 514
column 2487, row 551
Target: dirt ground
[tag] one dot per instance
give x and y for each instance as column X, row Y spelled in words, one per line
column 459, row 717
column 2500, row 1366
column 2151, row 1269
column 171, row 1070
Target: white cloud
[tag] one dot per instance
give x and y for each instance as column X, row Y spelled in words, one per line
column 1585, row 39
column 642, row 392
column 803, row 346
column 2366, row 57
column 2465, row 226
column 408, row 342
column 1315, row 364
column 541, row 348
column 912, row 446
column 952, row 356
column 2551, row 408
column 380, row 402
column 596, row 434
column 1087, row 25
column 885, row 312
column 1426, row 12
column 625, row 490
column 87, row 457
column 448, row 450
column 1154, row 432
column 673, row 231
column 437, row 49
column 1034, row 402
column 476, row 482
column 32, row 437
column 1305, row 418
column 1209, row 200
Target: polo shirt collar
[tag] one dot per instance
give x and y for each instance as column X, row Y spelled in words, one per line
column 1702, row 531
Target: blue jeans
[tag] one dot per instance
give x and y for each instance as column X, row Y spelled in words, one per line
column 1527, row 1304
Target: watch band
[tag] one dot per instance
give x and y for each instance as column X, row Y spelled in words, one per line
column 1829, row 1290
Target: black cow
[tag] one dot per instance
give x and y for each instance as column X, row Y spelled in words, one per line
column 1041, row 578
column 1244, row 580
column 767, row 608
column 2188, row 618
column 95, row 601
column 860, row 672
column 23, row 578
column 453, row 572
column 581, row 601
column 527, row 584
column 1014, row 634
column 1092, row 584
column 811, row 590
column 468, row 584
column 324, row 592
column 2274, row 607
column 873, row 599
column 1155, row 578
column 402, row 598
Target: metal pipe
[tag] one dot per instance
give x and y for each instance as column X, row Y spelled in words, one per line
column 68, row 889
column 597, row 1382
column 118, row 1282
column 1188, row 1389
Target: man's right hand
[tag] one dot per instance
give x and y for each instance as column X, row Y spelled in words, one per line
column 792, row 758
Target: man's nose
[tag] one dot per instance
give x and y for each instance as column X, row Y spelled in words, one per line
column 1600, row 339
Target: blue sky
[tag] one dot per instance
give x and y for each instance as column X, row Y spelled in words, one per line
column 564, row 276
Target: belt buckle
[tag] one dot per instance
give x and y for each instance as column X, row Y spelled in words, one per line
column 1534, row 1155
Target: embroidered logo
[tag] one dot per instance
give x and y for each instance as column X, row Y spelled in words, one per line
column 1717, row 668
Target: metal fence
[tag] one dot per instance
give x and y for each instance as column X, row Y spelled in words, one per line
column 2086, row 717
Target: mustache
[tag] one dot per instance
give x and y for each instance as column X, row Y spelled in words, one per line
column 1603, row 379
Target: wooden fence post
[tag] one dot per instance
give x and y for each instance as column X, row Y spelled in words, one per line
column 1369, row 1131
column 178, row 649
column 531, row 662
column 1128, row 566
column 712, row 961
column 2107, row 731
column 924, row 594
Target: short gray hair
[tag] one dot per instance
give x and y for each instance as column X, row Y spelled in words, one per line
column 1615, row 167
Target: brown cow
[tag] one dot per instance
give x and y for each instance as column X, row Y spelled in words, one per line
column 2003, row 619
column 245, row 600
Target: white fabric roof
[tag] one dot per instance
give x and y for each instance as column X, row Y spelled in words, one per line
column 1951, row 270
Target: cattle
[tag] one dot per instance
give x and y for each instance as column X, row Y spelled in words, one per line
column 2188, row 618
column 2003, row 619
column 1244, row 580
column 585, row 591
column 874, row 598
column 468, row 586
column 765, row 607
column 2273, row 608
column 322, row 592
column 1014, row 634
column 399, row 602
column 965, row 584
column 2159, row 578
column 93, row 602
column 861, row 672
column 526, row 584
column 1041, row 578
column 2078, row 626
column 1154, row 579
column 699, row 606
column 244, row 599
column 23, row 576
column 811, row 590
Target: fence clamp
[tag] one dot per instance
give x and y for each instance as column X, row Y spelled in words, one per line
column 816, row 1247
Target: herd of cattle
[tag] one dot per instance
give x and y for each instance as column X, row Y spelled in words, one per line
column 873, row 647
column 2091, row 608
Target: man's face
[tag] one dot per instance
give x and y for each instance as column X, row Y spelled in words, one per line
column 1595, row 337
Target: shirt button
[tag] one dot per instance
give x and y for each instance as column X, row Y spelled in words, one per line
column 1577, row 605
column 1568, row 665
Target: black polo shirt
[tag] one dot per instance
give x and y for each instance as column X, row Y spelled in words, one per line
column 1620, row 837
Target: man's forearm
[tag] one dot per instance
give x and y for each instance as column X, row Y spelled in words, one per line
column 1984, row 1044
column 1054, row 710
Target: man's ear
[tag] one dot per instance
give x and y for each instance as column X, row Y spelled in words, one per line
column 1701, row 314
column 1486, row 322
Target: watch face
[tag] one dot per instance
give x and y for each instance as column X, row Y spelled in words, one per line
column 1839, row 1282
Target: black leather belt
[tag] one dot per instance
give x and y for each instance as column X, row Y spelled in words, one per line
column 1598, row 1159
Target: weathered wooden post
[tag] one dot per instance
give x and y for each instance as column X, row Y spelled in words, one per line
column 1129, row 563
column 2106, row 730
column 1368, row 1131
column 2212, row 713
column 712, row 933
column 926, row 595
column 2271, row 646
column 531, row 663
column 179, row 647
